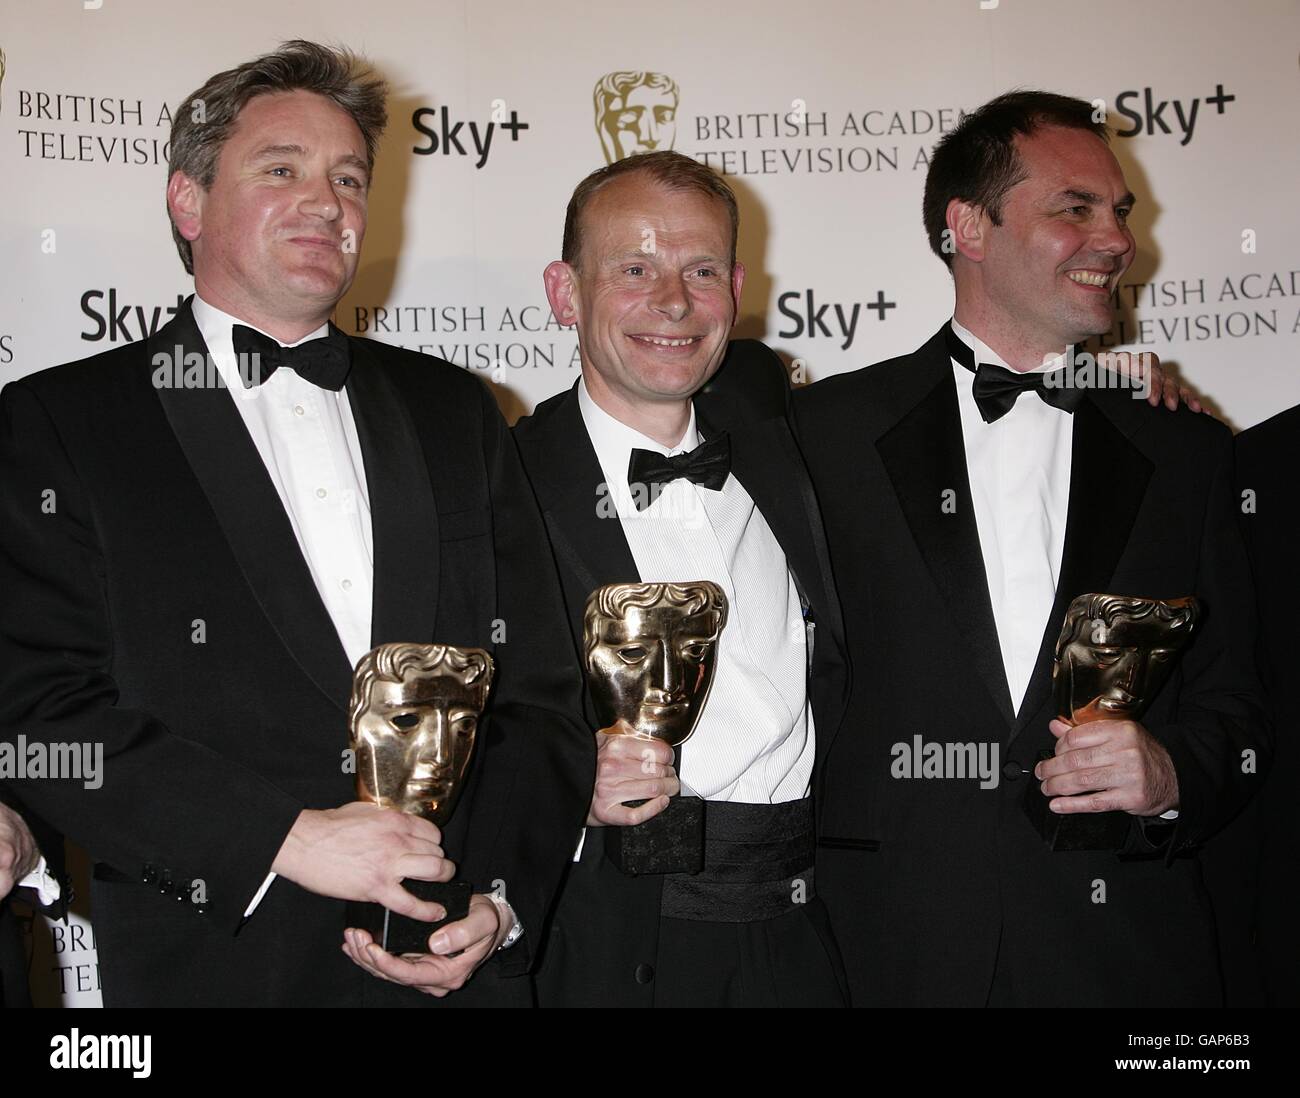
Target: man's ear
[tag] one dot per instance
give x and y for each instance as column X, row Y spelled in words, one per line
column 185, row 204
column 737, row 283
column 561, row 291
column 969, row 225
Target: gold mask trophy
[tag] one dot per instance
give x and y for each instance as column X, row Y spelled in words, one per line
column 412, row 722
column 1114, row 654
column 650, row 650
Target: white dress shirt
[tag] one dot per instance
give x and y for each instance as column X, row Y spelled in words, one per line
column 307, row 439
column 1019, row 470
column 754, row 741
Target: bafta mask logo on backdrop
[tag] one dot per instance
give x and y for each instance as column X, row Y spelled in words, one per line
column 2, row 77
column 636, row 112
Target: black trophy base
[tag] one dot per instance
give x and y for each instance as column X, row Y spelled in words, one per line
column 1087, row 831
column 402, row 934
column 672, row 842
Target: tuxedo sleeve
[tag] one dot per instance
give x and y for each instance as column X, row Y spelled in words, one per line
column 540, row 760
column 161, row 800
column 1221, row 741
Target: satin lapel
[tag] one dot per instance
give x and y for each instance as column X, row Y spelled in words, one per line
column 587, row 538
column 766, row 461
column 403, row 508
column 226, row 463
column 1108, row 481
column 925, row 458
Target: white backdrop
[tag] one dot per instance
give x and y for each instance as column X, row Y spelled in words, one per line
column 821, row 113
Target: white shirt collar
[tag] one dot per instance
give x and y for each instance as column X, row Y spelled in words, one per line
column 614, row 440
column 985, row 353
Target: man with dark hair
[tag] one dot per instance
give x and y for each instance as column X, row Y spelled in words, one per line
column 979, row 163
column 200, row 536
column 672, row 461
column 966, row 506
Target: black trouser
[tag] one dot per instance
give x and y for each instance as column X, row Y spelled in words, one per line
column 789, row 961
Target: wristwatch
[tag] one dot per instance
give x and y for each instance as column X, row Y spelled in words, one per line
column 516, row 931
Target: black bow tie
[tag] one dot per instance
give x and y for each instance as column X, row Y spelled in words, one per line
column 324, row 362
column 707, row 465
column 996, row 388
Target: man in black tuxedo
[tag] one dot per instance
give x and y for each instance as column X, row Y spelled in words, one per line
column 203, row 531
column 1250, row 866
column 962, row 521
column 650, row 279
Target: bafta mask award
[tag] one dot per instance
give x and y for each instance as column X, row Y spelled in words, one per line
column 1114, row 654
column 650, row 652
column 413, row 718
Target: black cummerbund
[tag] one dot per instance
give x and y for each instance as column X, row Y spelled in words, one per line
column 758, row 864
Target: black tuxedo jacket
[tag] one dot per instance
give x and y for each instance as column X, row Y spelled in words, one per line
column 934, row 885
column 155, row 600
column 1251, row 866
column 603, row 942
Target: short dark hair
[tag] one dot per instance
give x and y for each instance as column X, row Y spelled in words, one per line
column 202, row 123
column 670, row 169
column 977, row 162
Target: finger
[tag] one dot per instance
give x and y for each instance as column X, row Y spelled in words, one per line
column 1050, row 768
column 354, row 945
column 434, row 974
column 1058, row 727
column 614, row 768
column 361, row 962
column 1171, row 395
column 425, row 867
column 1088, row 779
column 398, row 900
column 1190, row 399
column 1101, row 801
column 639, row 789
column 1079, row 758
column 617, row 766
column 481, row 922
column 422, row 830
column 618, row 814
column 1155, row 383
column 1092, row 734
column 640, row 749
